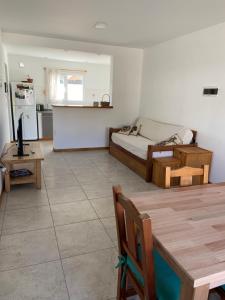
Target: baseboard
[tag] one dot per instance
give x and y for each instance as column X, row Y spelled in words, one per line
column 45, row 139
column 80, row 149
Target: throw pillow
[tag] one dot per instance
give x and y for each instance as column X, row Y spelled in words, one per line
column 135, row 130
column 173, row 140
column 125, row 130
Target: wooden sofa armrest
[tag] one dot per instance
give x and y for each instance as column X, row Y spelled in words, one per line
column 111, row 130
column 155, row 148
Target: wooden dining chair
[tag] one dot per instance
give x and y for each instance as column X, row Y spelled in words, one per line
column 142, row 270
column 186, row 175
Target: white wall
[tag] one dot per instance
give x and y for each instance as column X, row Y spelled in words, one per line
column 97, row 78
column 82, row 127
column 174, row 75
column 4, row 115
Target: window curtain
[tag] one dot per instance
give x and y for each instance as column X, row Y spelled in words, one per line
column 52, row 85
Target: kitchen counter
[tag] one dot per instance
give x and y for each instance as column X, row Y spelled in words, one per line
column 78, row 127
column 81, row 106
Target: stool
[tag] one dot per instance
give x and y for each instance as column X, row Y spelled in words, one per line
column 159, row 170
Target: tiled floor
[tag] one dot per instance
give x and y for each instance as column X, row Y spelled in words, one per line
column 59, row 243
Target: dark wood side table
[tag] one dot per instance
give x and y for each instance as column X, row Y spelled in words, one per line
column 159, row 170
column 193, row 157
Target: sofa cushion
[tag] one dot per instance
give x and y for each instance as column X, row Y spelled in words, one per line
column 159, row 131
column 138, row 145
column 186, row 135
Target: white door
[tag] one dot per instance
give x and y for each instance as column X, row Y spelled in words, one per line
column 29, row 121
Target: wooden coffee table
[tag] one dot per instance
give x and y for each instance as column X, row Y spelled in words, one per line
column 32, row 162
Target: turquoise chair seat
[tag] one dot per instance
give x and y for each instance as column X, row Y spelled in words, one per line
column 168, row 284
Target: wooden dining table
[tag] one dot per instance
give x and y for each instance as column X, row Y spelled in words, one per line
column 189, row 232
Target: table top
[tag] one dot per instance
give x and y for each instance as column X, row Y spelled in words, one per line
column 189, row 230
column 33, row 149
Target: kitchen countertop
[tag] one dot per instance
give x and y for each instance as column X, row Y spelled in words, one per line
column 81, row 106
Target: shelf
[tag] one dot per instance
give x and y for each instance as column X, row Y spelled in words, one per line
column 23, row 179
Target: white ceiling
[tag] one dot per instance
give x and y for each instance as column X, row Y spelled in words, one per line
column 136, row 23
column 58, row 54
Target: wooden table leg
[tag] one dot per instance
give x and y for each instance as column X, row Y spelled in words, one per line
column 38, row 174
column 7, row 181
column 190, row 293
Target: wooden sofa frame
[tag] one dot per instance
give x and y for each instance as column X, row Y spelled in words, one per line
column 139, row 165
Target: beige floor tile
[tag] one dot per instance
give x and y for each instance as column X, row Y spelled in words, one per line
column 97, row 154
column 130, row 178
column 91, row 177
column 72, row 212
column 65, row 195
column 3, row 201
column 27, row 248
column 110, row 227
column 44, row 281
column 60, row 182
column 26, row 219
column 104, row 207
column 96, row 278
column 96, row 190
column 79, row 163
column 57, row 172
column 52, row 161
column 110, row 169
column 84, row 169
column 1, row 219
column 80, row 238
column 26, row 196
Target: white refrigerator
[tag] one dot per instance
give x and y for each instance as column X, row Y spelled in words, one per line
column 23, row 101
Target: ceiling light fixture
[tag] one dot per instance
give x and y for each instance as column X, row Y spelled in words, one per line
column 100, row 25
column 21, row 65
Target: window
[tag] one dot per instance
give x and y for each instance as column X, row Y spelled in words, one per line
column 66, row 86
column 71, row 87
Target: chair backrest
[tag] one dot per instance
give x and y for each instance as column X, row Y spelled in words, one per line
column 134, row 233
column 186, row 175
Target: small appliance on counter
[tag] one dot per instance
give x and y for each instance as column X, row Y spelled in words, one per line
column 40, row 107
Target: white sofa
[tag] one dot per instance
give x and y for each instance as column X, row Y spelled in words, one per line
column 138, row 151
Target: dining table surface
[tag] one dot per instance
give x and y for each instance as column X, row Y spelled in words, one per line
column 188, row 227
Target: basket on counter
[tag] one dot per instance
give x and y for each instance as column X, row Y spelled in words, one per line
column 105, row 103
